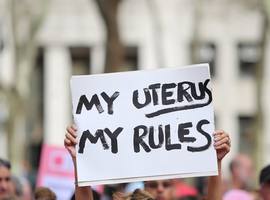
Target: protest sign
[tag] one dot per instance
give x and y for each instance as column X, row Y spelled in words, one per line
column 144, row 125
column 56, row 171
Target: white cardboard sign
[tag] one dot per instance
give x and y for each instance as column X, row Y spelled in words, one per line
column 144, row 125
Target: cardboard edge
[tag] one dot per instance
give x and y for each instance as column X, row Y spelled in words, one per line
column 147, row 178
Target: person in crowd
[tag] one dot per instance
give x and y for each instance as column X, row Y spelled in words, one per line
column 96, row 195
column 164, row 190
column 138, row 194
column 222, row 144
column 160, row 189
column 5, row 178
column 264, row 179
column 237, row 194
column 242, row 171
column 21, row 188
column 172, row 189
column 16, row 186
column 26, row 189
column 44, row 193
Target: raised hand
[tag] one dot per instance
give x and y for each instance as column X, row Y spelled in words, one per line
column 222, row 143
column 70, row 141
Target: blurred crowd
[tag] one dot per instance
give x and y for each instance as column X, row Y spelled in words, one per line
column 239, row 186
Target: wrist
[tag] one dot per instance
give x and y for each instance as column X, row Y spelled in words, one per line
column 74, row 160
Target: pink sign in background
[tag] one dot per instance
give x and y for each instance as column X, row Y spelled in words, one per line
column 56, row 171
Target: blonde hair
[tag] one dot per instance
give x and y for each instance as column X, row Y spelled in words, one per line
column 43, row 193
column 136, row 195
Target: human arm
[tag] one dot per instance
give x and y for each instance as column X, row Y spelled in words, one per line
column 70, row 141
column 222, row 145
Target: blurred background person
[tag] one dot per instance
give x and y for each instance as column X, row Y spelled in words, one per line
column 5, row 178
column 26, row 189
column 160, row 189
column 16, row 187
column 21, row 188
column 242, row 183
column 242, row 171
column 237, row 194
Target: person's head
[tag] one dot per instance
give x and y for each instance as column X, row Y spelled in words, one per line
column 26, row 189
column 242, row 169
column 16, row 186
column 4, row 178
column 160, row 189
column 265, row 183
column 136, row 195
column 21, row 188
column 43, row 193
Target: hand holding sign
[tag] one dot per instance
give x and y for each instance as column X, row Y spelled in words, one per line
column 221, row 143
column 165, row 113
column 70, row 140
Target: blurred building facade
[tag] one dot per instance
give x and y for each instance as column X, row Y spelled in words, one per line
column 155, row 34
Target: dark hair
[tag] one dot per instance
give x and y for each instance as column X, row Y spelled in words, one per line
column 96, row 195
column 265, row 175
column 5, row 163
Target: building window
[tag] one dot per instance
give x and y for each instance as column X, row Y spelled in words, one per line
column 249, row 54
column 80, row 60
column 204, row 53
column 130, row 59
column 247, row 140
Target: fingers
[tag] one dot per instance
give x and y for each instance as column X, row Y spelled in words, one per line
column 71, row 136
column 222, row 140
column 72, row 130
column 67, row 142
